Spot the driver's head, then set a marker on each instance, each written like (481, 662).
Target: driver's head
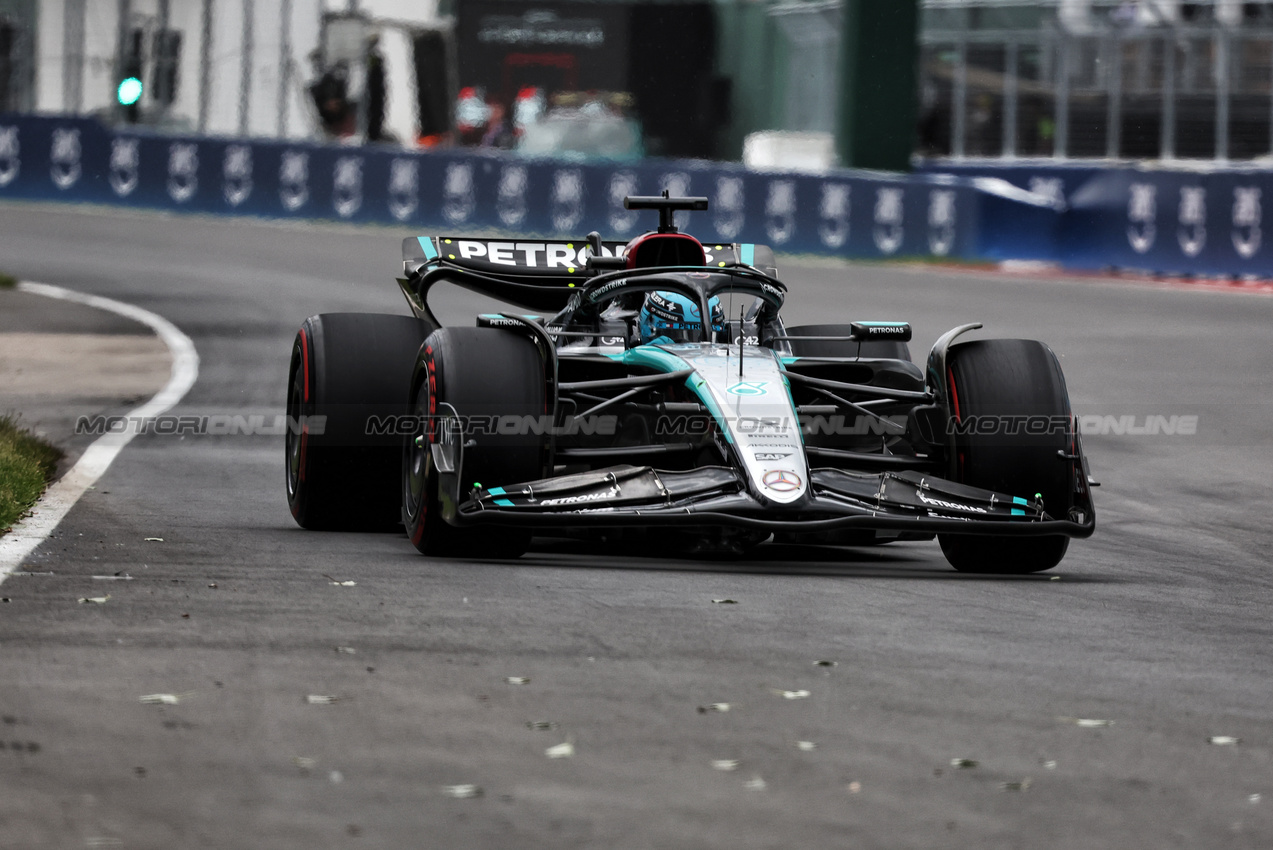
(677, 318)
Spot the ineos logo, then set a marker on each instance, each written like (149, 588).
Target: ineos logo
(781, 481)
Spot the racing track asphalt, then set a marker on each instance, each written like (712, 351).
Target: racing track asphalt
(1159, 624)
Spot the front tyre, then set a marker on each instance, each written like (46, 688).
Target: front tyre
(494, 382)
(1017, 439)
(348, 379)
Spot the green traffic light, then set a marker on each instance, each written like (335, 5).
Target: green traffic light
(129, 91)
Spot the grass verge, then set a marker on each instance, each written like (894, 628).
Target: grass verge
(26, 464)
(7, 281)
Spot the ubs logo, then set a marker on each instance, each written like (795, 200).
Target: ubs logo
(293, 180)
(567, 199)
(834, 227)
(510, 198)
(64, 158)
(458, 198)
(941, 221)
(728, 209)
(622, 184)
(236, 174)
(1192, 232)
(125, 164)
(1246, 221)
(1142, 209)
(9, 150)
(347, 186)
(889, 213)
(780, 211)
(183, 171)
(677, 184)
(404, 188)
(782, 481)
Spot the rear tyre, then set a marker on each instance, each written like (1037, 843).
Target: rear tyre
(486, 376)
(347, 370)
(871, 348)
(1010, 378)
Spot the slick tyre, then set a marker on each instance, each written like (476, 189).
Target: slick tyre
(487, 378)
(349, 374)
(999, 382)
(871, 348)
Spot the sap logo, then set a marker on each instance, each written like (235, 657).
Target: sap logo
(762, 456)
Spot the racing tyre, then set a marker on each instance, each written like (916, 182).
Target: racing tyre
(1012, 378)
(348, 370)
(485, 376)
(881, 348)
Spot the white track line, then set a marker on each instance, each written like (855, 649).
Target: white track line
(58, 500)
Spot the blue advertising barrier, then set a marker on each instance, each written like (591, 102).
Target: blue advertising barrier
(1204, 221)
(845, 213)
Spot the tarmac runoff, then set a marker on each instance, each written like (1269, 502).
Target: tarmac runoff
(65, 354)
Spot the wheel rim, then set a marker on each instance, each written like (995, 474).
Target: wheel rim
(293, 435)
(417, 451)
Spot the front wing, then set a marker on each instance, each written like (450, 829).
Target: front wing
(641, 496)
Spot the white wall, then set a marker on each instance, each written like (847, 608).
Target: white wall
(398, 17)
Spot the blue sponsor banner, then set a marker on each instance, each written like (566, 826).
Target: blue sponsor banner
(456, 192)
(1174, 220)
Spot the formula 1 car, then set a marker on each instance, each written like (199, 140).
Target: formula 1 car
(654, 386)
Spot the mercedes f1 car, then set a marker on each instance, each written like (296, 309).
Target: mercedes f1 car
(654, 386)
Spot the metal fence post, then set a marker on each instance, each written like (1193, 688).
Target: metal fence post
(1167, 145)
(1061, 133)
(959, 98)
(1114, 112)
(285, 63)
(245, 59)
(1010, 99)
(205, 67)
(1221, 71)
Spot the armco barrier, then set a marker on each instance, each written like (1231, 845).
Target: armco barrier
(1175, 219)
(846, 213)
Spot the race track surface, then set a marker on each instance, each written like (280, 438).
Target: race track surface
(1160, 624)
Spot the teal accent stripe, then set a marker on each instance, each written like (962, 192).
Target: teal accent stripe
(1017, 500)
(504, 503)
(1018, 512)
(499, 491)
(747, 254)
(426, 244)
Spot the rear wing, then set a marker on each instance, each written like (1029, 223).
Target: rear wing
(563, 259)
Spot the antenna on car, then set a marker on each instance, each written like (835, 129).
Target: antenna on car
(666, 205)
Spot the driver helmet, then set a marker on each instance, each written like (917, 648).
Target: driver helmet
(676, 317)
